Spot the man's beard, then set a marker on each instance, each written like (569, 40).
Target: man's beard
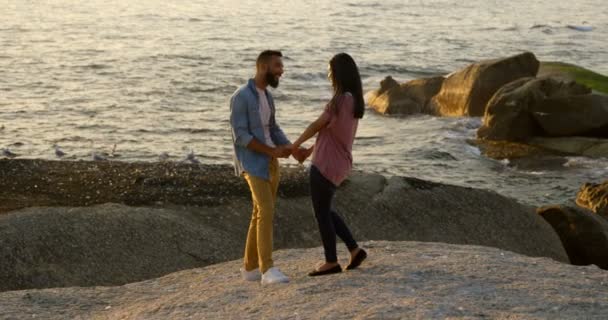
(272, 80)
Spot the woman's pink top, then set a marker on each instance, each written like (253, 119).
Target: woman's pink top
(333, 148)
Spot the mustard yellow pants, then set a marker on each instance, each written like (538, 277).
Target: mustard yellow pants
(258, 250)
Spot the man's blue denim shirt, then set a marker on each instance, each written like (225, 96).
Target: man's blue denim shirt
(246, 124)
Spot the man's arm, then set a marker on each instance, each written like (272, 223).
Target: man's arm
(239, 121)
(276, 133)
(278, 152)
(278, 136)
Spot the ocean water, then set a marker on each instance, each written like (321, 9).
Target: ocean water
(155, 76)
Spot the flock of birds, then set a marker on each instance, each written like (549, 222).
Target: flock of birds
(103, 156)
(95, 155)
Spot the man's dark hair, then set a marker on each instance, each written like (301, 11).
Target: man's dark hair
(266, 55)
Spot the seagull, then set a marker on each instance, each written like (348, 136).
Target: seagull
(113, 154)
(163, 157)
(58, 152)
(192, 157)
(7, 153)
(98, 157)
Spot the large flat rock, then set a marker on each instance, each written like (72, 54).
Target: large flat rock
(400, 280)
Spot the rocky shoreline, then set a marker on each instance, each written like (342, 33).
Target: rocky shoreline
(152, 229)
(556, 107)
(66, 224)
(28, 183)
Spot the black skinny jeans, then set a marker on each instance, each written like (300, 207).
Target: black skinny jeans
(322, 193)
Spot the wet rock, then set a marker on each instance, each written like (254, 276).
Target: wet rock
(583, 146)
(466, 92)
(409, 98)
(513, 112)
(594, 196)
(576, 115)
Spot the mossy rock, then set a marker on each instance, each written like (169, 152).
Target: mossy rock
(596, 81)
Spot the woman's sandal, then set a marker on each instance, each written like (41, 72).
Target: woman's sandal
(357, 260)
(336, 269)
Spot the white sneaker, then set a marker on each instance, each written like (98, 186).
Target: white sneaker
(273, 275)
(253, 275)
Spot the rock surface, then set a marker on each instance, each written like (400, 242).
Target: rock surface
(27, 183)
(501, 149)
(583, 234)
(555, 114)
(374, 207)
(523, 109)
(408, 98)
(400, 280)
(594, 196)
(575, 115)
(571, 72)
(584, 146)
(104, 245)
(544, 113)
(466, 92)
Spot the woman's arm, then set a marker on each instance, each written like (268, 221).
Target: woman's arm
(312, 129)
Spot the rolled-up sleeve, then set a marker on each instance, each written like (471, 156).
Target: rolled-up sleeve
(239, 121)
(277, 134)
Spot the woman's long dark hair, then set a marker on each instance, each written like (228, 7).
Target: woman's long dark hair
(345, 78)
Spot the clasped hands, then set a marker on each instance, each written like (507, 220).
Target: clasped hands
(297, 152)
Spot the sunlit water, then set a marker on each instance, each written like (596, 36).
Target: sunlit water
(155, 76)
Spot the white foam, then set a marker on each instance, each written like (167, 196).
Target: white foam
(473, 150)
(536, 173)
(580, 28)
(584, 162)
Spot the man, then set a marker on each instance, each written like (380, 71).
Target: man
(258, 143)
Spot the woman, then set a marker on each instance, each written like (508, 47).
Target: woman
(332, 159)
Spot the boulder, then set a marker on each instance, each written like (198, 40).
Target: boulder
(387, 84)
(401, 208)
(594, 196)
(409, 98)
(576, 115)
(597, 82)
(583, 234)
(512, 113)
(466, 92)
(104, 245)
(399, 280)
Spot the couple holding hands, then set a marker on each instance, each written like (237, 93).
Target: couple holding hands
(259, 142)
